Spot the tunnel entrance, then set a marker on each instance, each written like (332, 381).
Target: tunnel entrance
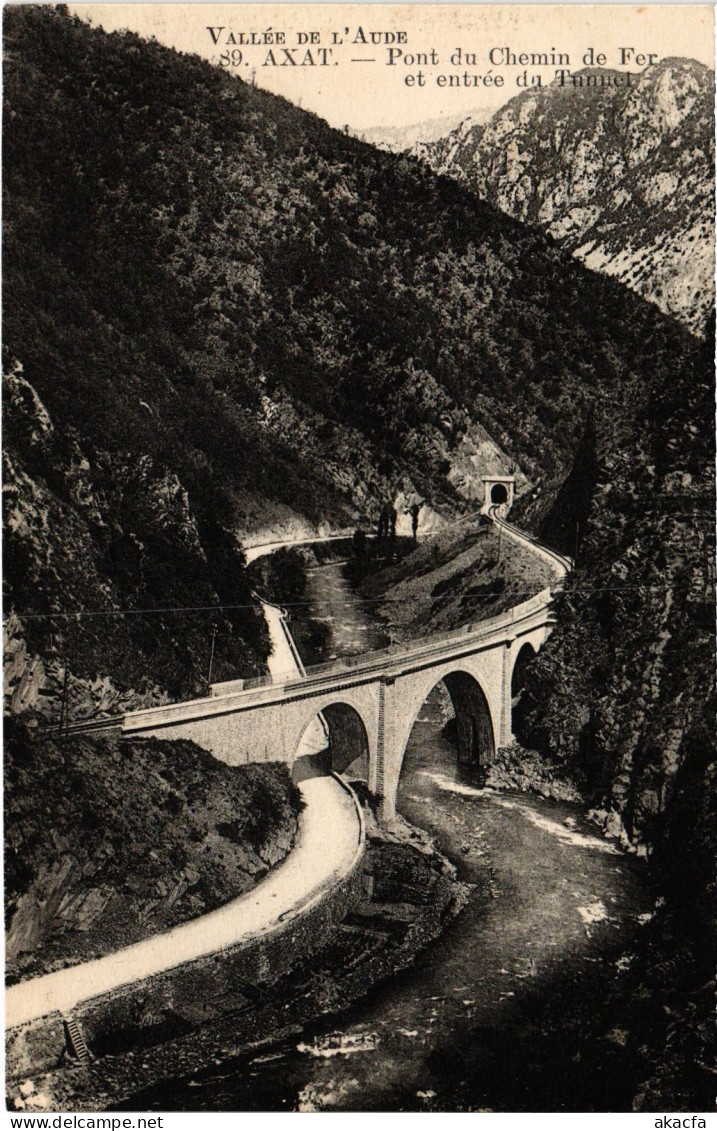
(335, 741)
(498, 491)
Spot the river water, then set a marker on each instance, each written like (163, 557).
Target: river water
(334, 603)
(505, 1011)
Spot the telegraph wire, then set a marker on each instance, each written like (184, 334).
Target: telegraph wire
(472, 598)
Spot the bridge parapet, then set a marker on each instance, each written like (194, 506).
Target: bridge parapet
(367, 668)
(560, 562)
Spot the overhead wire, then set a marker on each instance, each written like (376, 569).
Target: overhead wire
(224, 606)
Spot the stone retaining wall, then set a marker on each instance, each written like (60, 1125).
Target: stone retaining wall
(170, 1004)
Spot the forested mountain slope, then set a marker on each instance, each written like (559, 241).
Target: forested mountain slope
(224, 309)
(622, 177)
(219, 312)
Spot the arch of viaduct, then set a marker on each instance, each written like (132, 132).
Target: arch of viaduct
(384, 690)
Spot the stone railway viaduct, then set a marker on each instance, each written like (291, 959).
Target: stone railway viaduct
(367, 706)
(370, 703)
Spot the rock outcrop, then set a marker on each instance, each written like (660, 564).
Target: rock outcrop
(623, 692)
(108, 844)
(623, 178)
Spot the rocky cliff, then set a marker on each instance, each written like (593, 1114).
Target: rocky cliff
(622, 697)
(623, 178)
(623, 690)
(111, 843)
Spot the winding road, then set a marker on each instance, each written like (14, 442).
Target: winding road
(330, 834)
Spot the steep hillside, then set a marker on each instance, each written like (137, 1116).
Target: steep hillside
(635, 627)
(459, 576)
(621, 177)
(623, 696)
(225, 310)
(97, 860)
(87, 528)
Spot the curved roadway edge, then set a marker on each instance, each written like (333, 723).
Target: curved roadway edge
(560, 563)
(259, 550)
(284, 661)
(330, 841)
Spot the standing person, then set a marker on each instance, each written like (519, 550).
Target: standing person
(414, 512)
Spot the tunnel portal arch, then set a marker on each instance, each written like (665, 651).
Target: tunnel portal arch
(498, 491)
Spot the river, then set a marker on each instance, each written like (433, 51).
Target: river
(508, 1010)
(334, 604)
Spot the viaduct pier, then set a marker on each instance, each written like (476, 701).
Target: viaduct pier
(370, 702)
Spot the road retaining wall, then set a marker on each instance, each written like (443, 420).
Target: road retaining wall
(169, 1005)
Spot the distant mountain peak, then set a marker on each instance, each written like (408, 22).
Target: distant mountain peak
(621, 176)
(399, 138)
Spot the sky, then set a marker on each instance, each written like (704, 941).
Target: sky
(386, 65)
